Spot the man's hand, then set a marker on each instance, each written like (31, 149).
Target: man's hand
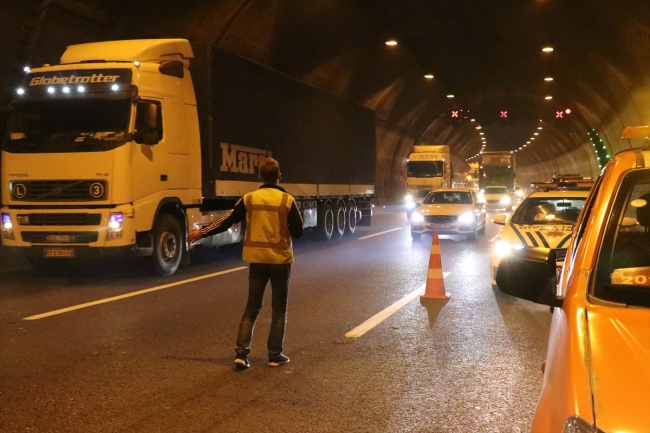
(194, 235)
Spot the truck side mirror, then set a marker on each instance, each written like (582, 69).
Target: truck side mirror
(530, 273)
(151, 116)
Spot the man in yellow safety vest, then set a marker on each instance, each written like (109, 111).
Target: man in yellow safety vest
(272, 219)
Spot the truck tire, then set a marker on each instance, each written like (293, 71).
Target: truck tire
(325, 225)
(167, 244)
(352, 218)
(340, 220)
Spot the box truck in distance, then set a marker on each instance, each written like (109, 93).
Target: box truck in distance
(125, 146)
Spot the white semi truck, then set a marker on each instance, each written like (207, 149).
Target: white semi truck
(125, 146)
(428, 167)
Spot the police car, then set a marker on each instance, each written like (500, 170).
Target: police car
(542, 220)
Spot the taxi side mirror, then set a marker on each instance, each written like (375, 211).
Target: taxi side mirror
(530, 273)
(500, 219)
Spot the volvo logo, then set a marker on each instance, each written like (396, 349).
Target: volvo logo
(96, 190)
(19, 190)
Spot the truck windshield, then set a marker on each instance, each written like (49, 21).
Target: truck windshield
(624, 260)
(495, 190)
(74, 125)
(496, 172)
(549, 210)
(425, 169)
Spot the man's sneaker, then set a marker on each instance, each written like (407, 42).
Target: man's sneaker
(241, 362)
(278, 360)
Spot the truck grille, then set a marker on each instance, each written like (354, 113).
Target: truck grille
(58, 190)
(441, 219)
(59, 219)
(60, 237)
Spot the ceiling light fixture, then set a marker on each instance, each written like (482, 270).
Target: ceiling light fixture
(547, 49)
(548, 98)
(548, 79)
(429, 76)
(391, 43)
(450, 96)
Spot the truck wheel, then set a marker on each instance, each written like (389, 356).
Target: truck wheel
(167, 244)
(326, 222)
(352, 219)
(340, 220)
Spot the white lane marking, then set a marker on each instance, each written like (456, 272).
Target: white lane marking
(129, 295)
(387, 312)
(380, 233)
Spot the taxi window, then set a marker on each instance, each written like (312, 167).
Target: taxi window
(448, 198)
(549, 210)
(623, 273)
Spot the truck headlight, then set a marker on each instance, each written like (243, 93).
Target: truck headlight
(115, 226)
(505, 200)
(417, 217)
(575, 424)
(520, 193)
(7, 227)
(480, 198)
(466, 218)
(503, 248)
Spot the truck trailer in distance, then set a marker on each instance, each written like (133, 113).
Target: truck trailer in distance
(125, 146)
(428, 167)
(497, 169)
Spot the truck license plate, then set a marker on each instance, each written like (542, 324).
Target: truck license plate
(58, 252)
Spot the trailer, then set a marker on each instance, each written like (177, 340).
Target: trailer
(125, 146)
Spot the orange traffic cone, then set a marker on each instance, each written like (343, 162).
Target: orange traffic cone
(435, 288)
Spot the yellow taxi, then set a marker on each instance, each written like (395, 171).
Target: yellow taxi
(597, 368)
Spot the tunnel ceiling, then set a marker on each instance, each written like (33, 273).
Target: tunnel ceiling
(487, 54)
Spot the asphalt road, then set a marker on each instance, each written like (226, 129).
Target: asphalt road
(161, 361)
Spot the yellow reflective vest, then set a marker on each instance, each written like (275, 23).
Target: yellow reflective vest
(267, 238)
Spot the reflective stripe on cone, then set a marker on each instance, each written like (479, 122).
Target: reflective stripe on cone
(435, 288)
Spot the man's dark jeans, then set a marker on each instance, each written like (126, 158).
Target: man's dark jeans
(258, 276)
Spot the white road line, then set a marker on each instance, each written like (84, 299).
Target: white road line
(129, 295)
(387, 312)
(380, 233)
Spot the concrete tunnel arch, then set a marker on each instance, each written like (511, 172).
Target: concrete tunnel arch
(601, 64)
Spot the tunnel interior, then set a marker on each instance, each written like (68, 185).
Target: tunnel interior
(564, 109)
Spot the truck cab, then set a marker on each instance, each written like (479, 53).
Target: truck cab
(428, 167)
(102, 155)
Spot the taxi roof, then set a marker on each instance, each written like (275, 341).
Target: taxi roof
(559, 194)
(452, 190)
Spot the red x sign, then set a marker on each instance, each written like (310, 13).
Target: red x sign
(504, 114)
(455, 113)
(559, 114)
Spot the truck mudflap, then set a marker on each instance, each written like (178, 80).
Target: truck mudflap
(364, 209)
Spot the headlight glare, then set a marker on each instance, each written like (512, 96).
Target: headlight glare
(410, 204)
(417, 217)
(505, 200)
(408, 198)
(7, 227)
(503, 248)
(466, 218)
(115, 226)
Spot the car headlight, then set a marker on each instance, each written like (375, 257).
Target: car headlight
(408, 198)
(410, 204)
(417, 217)
(575, 424)
(520, 193)
(7, 227)
(466, 218)
(115, 226)
(503, 248)
(505, 200)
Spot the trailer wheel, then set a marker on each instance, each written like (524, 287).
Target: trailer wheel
(167, 244)
(341, 217)
(326, 222)
(352, 219)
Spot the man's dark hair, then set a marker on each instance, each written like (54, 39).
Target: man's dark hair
(269, 170)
